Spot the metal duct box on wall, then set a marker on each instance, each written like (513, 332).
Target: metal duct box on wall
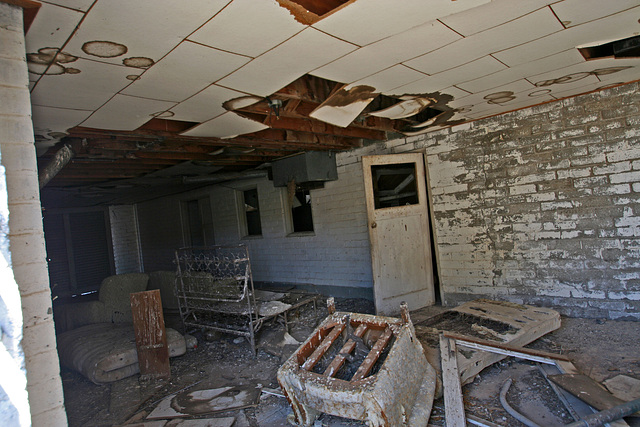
(312, 166)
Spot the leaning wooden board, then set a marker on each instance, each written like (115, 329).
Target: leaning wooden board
(151, 336)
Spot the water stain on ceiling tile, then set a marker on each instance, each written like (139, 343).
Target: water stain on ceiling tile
(573, 77)
(138, 62)
(500, 97)
(48, 61)
(104, 49)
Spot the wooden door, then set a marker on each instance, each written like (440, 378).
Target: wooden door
(397, 210)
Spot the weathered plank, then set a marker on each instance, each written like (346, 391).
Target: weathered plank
(151, 336)
(453, 403)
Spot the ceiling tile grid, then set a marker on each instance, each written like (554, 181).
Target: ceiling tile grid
(365, 22)
(388, 52)
(186, 70)
(124, 112)
(306, 51)
(529, 27)
(234, 29)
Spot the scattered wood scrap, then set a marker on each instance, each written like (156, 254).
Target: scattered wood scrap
(453, 403)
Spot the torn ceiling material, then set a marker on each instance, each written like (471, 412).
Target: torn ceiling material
(117, 67)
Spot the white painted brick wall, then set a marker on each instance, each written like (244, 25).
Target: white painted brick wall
(26, 236)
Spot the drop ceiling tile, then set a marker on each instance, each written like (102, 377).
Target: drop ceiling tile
(95, 83)
(292, 59)
(52, 27)
(385, 80)
(140, 27)
(228, 125)
(576, 12)
(124, 112)
(532, 26)
(553, 62)
(388, 52)
(480, 67)
(204, 105)
(621, 25)
(581, 71)
(82, 5)
(492, 14)
(364, 22)
(248, 27)
(480, 101)
(49, 120)
(186, 70)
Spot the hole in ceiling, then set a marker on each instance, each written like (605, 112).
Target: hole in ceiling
(623, 48)
(311, 11)
(164, 125)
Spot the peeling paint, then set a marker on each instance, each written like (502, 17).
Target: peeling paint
(104, 49)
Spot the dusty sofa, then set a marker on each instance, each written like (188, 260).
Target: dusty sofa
(96, 338)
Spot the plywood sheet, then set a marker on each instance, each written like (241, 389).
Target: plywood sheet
(226, 125)
(292, 59)
(186, 70)
(248, 27)
(124, 112)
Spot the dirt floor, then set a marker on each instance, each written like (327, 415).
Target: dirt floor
(599, 348)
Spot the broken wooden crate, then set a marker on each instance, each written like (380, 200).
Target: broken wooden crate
(363, 367)
(498, 321)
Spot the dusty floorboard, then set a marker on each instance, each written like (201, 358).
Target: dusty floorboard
(600, 349)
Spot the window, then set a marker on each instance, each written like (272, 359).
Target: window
(301, 211)
(252, 213)
(394, 185)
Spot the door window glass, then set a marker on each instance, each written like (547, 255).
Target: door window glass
(394, 185)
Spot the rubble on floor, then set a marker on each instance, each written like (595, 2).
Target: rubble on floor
(604, 350)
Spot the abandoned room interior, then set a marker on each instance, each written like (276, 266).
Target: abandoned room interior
(320, 213)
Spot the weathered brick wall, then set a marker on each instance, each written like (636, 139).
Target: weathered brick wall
(26, 236)
(541, 205)
(124, 235)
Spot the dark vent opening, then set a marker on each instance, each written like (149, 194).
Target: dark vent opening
(625, 48)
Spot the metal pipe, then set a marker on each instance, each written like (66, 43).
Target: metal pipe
(608, 415)
(515, 414)
(57, 163)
